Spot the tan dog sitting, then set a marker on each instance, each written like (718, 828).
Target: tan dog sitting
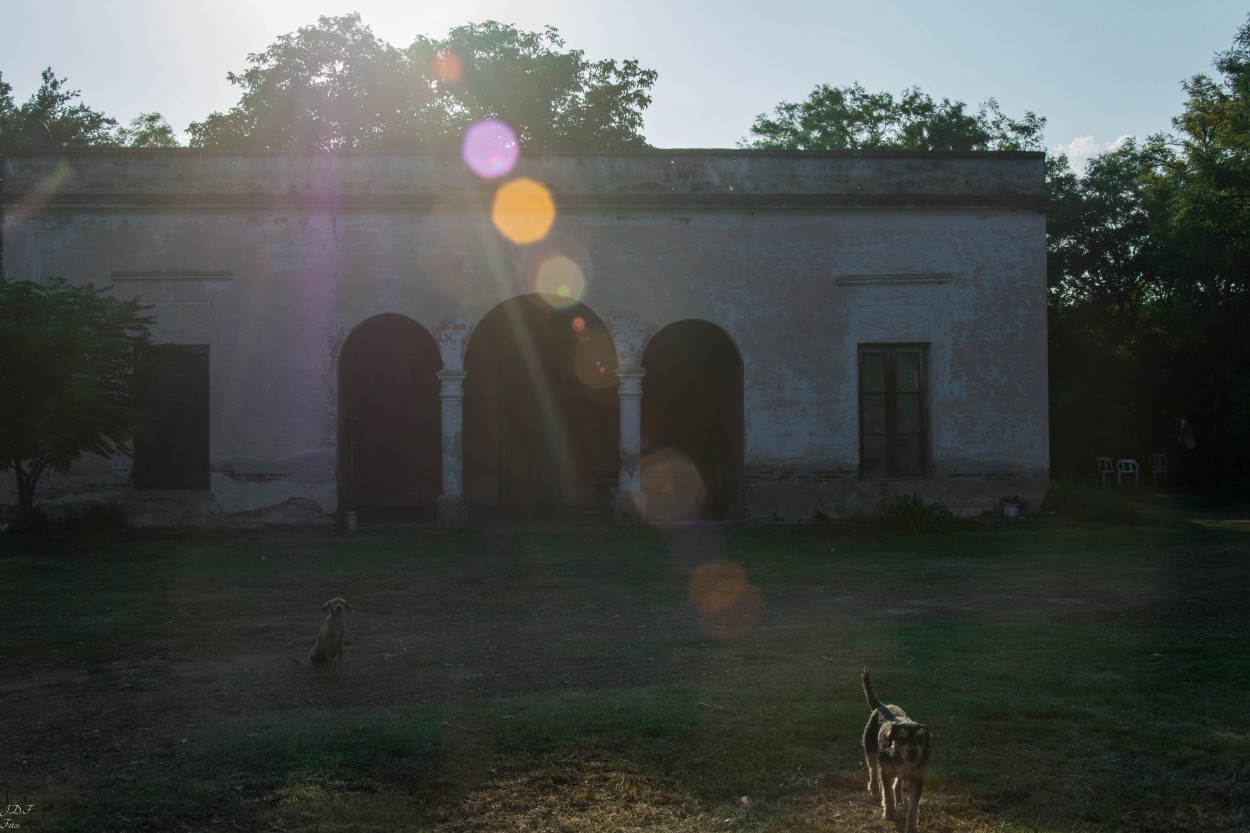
(329, 645)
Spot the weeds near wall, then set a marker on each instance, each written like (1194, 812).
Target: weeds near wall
(910, 513)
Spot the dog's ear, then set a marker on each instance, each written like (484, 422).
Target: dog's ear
(326, 606)
(348, 605)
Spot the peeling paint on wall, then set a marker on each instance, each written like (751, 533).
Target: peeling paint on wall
(273, 259)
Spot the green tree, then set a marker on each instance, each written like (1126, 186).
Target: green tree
(1105, 289)
(333, 85)
(69, 122)
(337, 85)
(66, 382)
(1099, 231)
(54, 117)
(147, 130)
(1203, 223)
(851, 118)
(553, 99)
(1149, 270)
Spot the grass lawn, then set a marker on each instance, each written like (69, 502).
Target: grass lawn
(1076, 676)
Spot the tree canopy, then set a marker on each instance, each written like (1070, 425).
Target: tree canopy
(68, 122)
(66, 386)
(1203, 226)
(1150, 285)
(852, 118)
(54, 117)
(337, 85)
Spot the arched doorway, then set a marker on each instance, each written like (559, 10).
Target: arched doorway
(389, 451)
(541, 431)
(692, 422)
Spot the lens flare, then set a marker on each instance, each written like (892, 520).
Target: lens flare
(558, 270)
(693, 545)
(594, 357)
(523, 211)
(673, 485)
(44, 190)
(448, 67)
(727, 604)
(718, 585)
(490, 149)
(560, 281)
(736, 620)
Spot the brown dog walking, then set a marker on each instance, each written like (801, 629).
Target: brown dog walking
(897, 750)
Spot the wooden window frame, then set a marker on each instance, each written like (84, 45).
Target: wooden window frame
(890, 439)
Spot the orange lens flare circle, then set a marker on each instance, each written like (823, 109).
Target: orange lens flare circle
(727, 604)
(448, 67)
(523, 211)
(737, 620)
(717, 586)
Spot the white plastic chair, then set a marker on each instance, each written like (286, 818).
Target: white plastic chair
(1158, 466)
(1105, 469)
(1127, 466)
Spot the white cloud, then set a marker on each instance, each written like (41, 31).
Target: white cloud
(1082, 148)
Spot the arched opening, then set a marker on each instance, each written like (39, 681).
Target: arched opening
(692, 423)
(389, 450)
(541, 431)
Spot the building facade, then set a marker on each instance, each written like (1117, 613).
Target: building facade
(650, 336)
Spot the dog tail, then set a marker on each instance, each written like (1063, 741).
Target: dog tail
(873, 702)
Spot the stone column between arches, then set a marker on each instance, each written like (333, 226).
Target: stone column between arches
(452, 510)
(630, 506)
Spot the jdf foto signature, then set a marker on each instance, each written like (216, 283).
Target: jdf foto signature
(11, 815)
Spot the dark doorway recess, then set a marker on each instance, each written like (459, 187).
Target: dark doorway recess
(390, 456)
(542, 419)
(171, 441)
(692, 405)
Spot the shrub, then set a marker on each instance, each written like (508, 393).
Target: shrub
(910, 513)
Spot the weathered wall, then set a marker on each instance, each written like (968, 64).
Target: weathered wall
(273, 259)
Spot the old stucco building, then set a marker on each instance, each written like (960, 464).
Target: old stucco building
(689, 333)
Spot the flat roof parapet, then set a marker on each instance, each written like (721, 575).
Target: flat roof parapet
(195, 178)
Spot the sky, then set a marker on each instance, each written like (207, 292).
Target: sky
(1097, 70)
